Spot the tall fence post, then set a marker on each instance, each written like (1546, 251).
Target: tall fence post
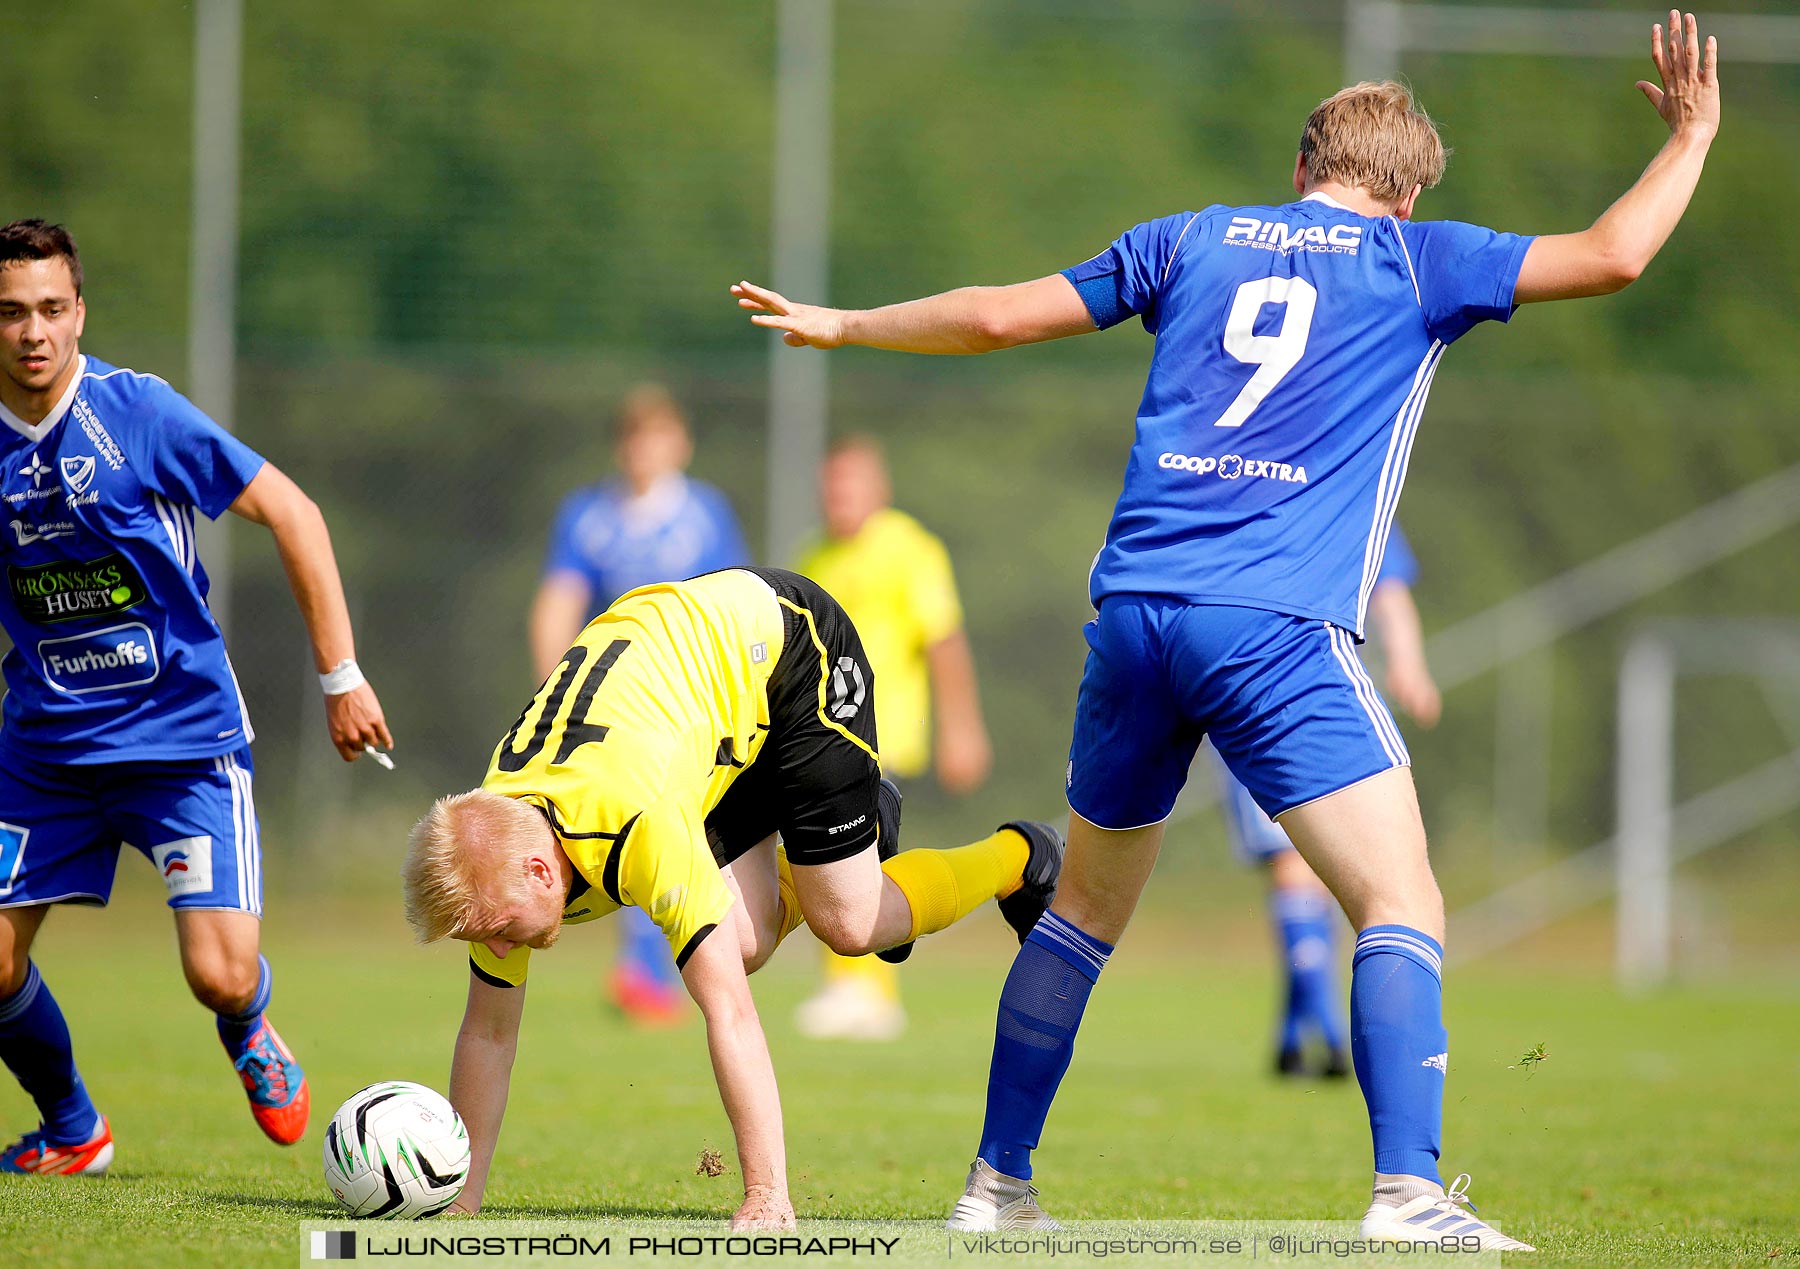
(1645, 788)
(799, 386)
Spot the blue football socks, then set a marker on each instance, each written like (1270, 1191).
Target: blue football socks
(1401, 1049)
(34, 1043)
(236, 1029)
(1305, 921)
(1034, 1038)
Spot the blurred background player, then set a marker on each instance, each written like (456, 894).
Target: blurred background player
(123, 720)
(649, 523)
(1300, 907)
(893, 577)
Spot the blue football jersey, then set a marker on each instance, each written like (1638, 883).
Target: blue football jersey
(617, 543)
(115, 655)
(1295, 346)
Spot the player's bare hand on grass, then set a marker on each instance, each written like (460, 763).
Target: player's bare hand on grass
(1689, 97)
(355, 720)
(764, 1207)
(801, 325)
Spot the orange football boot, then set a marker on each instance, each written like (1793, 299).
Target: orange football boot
(276, 1086)
(34, 1153)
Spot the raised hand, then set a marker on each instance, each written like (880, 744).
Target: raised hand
(1688, 99)
(801, 325)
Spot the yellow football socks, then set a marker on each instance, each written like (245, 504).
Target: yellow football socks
(873, 974)
(790, 915)
(944, 886)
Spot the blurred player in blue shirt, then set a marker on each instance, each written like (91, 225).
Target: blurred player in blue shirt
(1300, 907)
(123, 721)
(651, 523)
(1295, 346)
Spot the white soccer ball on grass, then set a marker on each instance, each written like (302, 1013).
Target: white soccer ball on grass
(396, 1151)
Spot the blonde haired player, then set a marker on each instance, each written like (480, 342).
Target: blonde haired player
(893, 576)
(1295, 346)
(689, 724)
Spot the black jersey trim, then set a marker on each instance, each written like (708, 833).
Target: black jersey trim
(597, 835)
(609, 875)
(490, 979)
(693, 943)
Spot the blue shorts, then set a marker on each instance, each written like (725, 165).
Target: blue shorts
(1255, 838)
(194, 819)
(1284, 699)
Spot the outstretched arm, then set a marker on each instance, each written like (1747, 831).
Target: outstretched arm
(480, 1074)
(714, 975)
(974, 319)
(274, 501)
(1610, 255)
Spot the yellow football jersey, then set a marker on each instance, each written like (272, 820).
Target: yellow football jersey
(633, 739)
(894, 579)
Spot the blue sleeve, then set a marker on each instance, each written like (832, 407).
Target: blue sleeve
(191, 458)
(1124, 280)
(1398, 563)
(563, 555)
(1465, 274)
(726, 541)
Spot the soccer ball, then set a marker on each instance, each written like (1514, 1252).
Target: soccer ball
(396, 1151)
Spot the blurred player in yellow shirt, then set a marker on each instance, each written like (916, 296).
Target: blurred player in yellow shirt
(893, 577)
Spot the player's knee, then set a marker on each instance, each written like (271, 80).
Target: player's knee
(222, 984)
(1414, 901)
(845, 937)
(755, 947)
(13, 969)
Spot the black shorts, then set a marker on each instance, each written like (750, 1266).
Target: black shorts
(815, 778)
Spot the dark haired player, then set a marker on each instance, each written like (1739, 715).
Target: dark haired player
(123, 721)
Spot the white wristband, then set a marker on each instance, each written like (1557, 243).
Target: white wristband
(345, 676)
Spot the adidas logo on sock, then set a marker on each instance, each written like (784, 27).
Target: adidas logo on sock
(1438, 1061)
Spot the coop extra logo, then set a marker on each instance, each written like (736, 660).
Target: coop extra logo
(1232, 466)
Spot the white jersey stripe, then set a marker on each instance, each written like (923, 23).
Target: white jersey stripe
(1372, 547)
(1393, 506)
(1370, 707)
(1393, 476)
(223, 765)
(1382, 713)
(168, 524)
(1406, 255)
(253, 849)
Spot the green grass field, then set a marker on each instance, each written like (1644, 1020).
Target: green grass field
(1661, 1131)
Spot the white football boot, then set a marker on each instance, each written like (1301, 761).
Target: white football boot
(993, 1201)
(1435, 1215)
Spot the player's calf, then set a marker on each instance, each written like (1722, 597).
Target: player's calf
(35, 1046)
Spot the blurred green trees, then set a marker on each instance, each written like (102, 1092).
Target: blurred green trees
(466, 227)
